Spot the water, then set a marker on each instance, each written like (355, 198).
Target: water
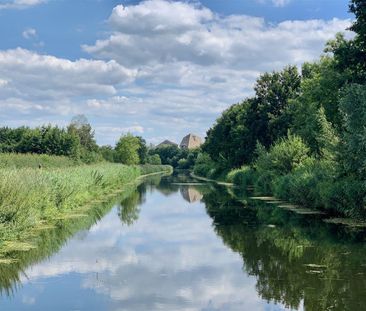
(174, 245)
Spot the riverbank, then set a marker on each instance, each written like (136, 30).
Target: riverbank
(229, 184)
(32, 198)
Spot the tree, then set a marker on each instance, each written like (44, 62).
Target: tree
(227, 141)
(169, 155)
(353, 139)
(108, 153)
(265, 118)
(154, 159)
(142, 150)
(80, 126)
(127, 150)
(350, 55)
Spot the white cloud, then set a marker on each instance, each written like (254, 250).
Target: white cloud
(29, 33)
(168, 66)
(276, 3)
(150, 33)
(33, 76)
(20, 4)
(281, 2)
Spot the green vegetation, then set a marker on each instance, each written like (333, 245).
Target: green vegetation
(75, 142)
(302, 135)
(47, 239)
(17, 160)
(297, 261)
(50, 173)
(174, 156)
(30, 197)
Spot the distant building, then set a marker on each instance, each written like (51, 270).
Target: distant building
(190, 141)
(166, 143)
(190, 194)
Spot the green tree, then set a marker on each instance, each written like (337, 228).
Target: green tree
(81, 127)
(127, 150)
(351, 54)
(154, 159)
(353, 139)
(142, 150)
(108, 153)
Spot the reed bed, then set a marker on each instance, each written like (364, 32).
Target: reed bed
(31, 196)
(17, 160)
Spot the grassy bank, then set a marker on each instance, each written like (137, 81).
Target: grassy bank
(29, 197)
(17, 160)
(44, 240)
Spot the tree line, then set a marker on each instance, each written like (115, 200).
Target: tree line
(302, 136)
(76, 141)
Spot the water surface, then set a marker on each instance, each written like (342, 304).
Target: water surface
(177, 244)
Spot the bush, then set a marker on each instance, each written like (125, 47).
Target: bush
(306, 184)
(285, 156)
(154, 159)
(345, 196)
(243, 177)
(204, 166)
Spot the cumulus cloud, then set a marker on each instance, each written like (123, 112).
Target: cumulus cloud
(29, 33)
(276, 3)
(30, 75)
(20, 4)
(172, 66)
(150, 33)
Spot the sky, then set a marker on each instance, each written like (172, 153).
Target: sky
(156, 68)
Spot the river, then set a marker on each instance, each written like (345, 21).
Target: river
(178, 244)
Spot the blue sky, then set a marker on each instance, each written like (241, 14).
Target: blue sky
(156, 68)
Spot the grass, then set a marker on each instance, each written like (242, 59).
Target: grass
(15, 160)
(30, 197)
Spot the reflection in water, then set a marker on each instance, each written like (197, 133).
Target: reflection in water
(296, 260)
(245, 256)
(191, 194)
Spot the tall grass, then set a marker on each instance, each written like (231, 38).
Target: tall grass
(150, 169)
(15, 160)
(29, 196)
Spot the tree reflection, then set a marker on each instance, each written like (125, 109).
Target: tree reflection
(129, 208)
(297, 260)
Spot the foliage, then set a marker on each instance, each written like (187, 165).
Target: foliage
(42, 140)
(307, 184)
(81, 127)
(153, 159)
(205, 166)
(265, 118)
(174, 156)
(127, 150)
(226, 141)
(29, 196)
(287, 154)
(108, 153)
(243, 177)
(353, 139)
(14, 160)
(350, 55)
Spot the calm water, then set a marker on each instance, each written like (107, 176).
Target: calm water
(175, 245)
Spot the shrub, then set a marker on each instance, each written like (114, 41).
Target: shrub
(154, 159)
(286, 155)
(305, 184)
(204, 166)
(243, 177)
